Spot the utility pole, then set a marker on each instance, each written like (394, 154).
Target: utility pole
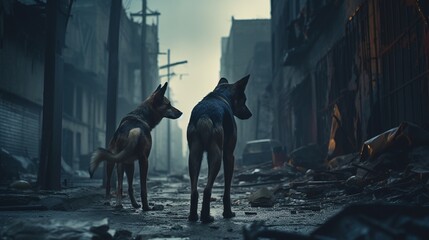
(49, 176)
(168, 122)
(143, 69)
(145, 86)
(113, 71)
(168, 66)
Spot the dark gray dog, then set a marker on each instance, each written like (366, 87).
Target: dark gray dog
(212, 129)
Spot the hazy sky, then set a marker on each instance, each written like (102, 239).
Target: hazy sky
(192, 30)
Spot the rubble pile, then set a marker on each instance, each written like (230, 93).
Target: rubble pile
(389, 178)
(391, 167)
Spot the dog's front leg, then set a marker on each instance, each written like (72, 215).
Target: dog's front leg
(129, 170)
(143, 163)
(228, 170)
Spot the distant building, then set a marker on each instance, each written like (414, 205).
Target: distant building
(247, 50)
(348, 70)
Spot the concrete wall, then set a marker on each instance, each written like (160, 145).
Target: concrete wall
(237, 54)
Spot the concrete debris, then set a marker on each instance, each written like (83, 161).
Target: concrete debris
(21, 184)
(66, 230)
(262, 198)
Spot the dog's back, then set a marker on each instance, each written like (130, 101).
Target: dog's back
(208, 116)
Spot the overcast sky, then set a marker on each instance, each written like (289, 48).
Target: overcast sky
(192, 30)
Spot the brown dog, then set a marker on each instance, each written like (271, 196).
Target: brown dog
(212, 129)
(131, 141)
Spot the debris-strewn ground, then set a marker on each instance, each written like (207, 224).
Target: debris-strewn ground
(173, 194)
(380, 193)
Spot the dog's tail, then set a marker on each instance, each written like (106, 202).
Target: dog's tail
(205, 128)
(102, 154)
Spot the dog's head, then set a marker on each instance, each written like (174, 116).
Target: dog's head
(162, 105)
(236, 95)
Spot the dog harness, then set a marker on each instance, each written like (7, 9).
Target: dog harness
(135, 117)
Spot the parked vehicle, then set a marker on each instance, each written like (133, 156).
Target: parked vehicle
(262, 151)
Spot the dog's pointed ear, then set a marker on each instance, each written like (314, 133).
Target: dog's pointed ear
(163, 89)
(159, 94)
(222, 81)
(242, 83)
(157, 89)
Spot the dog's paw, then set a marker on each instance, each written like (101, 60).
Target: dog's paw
(229, 214)
(207, 219)
(135, 205)
(146, 208)
(193, 217)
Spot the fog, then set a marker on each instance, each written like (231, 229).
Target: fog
(192, 30)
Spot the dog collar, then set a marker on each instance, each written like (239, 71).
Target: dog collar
(223, 99)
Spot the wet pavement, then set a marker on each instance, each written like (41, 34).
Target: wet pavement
(171, 222)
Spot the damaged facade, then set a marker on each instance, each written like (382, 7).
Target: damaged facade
(344, 71)
(84, 57)
(247, 51)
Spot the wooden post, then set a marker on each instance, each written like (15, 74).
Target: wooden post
(113, 70)
(49, 176)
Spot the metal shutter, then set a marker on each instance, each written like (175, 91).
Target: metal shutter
(19, 128)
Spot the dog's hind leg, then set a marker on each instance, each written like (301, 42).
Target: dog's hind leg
(109, 171)
(214, 157)
(228, 170)
(143, 163)
(129, 170)
(119, 191)
(195, 158)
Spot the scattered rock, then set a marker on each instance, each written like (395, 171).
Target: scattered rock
(21, 184)
(158, 207)
(250, 213)
(262, 198)
(122, 235)
(176, 227)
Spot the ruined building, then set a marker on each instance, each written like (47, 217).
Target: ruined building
(84, 72)
(348, 70)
